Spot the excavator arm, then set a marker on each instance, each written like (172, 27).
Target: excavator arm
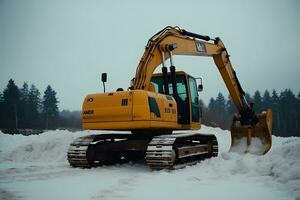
(175, 41)
(188, 44)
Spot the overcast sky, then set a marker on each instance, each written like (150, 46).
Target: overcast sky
(68, 44)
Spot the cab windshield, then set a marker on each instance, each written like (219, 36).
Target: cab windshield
(180, 83)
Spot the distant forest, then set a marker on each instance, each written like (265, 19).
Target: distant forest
(26, 108)
(285, 107)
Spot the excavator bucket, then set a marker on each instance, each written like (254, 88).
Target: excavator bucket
(252, 139)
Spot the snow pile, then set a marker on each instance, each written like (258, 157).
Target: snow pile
(256, 146)
(275, 175)
(280, 167)
(230, 175)
(283, 162)
(50, 146)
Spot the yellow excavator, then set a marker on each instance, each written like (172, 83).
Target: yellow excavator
(156, 105)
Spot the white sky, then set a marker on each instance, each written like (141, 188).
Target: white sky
(68, 44)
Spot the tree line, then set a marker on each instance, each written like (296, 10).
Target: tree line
(24, 108)
(284, 105)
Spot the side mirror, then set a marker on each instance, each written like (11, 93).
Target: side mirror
(104, 77)
(200, 88)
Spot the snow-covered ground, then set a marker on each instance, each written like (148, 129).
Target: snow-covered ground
(35, 167)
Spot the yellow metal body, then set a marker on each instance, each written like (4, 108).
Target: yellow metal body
(131, 110)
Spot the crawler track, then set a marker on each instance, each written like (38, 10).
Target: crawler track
(161, 152)
(106, 149)
(78, 151)
(178, 150)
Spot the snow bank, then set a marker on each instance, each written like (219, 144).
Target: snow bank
(50, 146)
(243, 176)
(280, 168)
(281, 165)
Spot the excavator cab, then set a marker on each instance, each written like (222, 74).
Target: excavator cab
(185, 94)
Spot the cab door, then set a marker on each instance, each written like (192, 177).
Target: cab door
(194, 98)
(182, 100)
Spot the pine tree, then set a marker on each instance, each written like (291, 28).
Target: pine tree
(11, 101)
(201, 107)
(248, 98)
(231, 110)
(274, 98)
(34, 106)
(204, 112)
(24, 106)
(287, 112)
(50, 108)
(1, 111)
(212, 112)
(266, 100)
(275, 111)
(230, 107)
(257, 100)
(220, 110)
(24, 92)
(298, 114)
(212, 105)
